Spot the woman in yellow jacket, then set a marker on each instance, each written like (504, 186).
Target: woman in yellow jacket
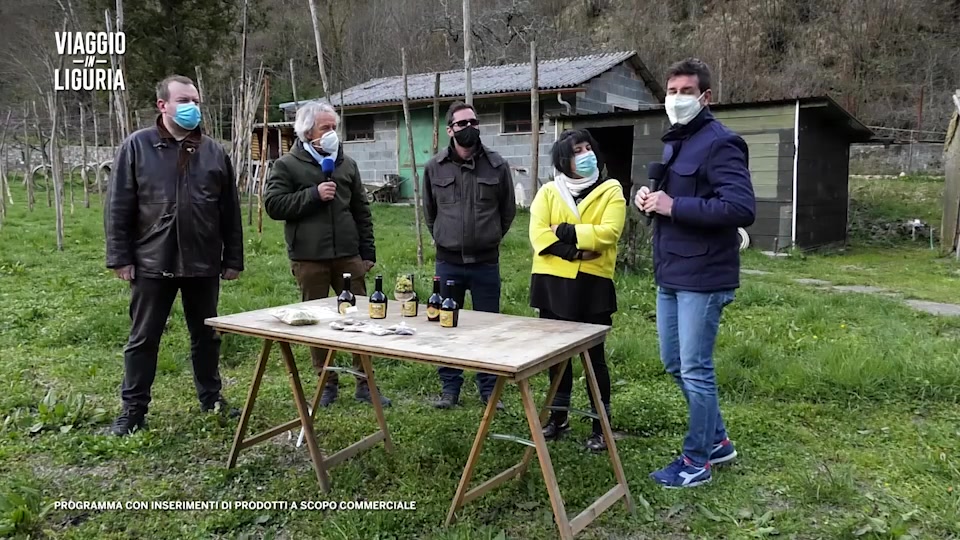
(575, 224)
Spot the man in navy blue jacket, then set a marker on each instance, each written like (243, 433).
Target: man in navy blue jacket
(704, 196)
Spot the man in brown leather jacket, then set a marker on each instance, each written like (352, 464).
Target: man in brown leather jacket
(172, 220)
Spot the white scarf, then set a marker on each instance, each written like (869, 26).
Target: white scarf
(572, 187)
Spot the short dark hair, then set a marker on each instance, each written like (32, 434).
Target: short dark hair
(456, 107)
(163, 87)
(562, 151)
(692, 66)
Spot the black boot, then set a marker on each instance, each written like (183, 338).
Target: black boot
(597, 442)
(363, 394)
(129, 421)
(446, 401)
(220, 406)
(329, 395)
(557, 425)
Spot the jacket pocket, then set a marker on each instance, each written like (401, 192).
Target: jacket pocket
(686, 248)
(445, 190)
(290, 235)
(488, 189)
(683, 179)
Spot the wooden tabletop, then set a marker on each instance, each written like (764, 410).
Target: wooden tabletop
(489, 342)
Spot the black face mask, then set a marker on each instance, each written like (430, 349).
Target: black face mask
(467, 137)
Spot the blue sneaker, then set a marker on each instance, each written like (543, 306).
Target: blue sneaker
(682, 474)
(722, 452)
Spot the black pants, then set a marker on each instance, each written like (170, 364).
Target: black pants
(150, 304)
(597, 359)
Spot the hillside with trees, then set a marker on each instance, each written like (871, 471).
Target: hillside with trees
(888, 61)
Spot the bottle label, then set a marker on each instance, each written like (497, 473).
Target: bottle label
(409, 309)
(344, 306)
(432, 312)
(378, 311)
(446, 319)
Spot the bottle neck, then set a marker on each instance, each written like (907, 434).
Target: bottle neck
(380, 284)
(346, 284)
(436, 286)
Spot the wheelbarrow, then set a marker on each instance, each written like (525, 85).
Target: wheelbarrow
(387, 192)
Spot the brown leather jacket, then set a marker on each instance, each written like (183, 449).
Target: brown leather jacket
(172, 208)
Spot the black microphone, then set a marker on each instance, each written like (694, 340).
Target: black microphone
(655, 171)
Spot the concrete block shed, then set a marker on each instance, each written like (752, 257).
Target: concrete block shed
(799, 151)
(375, 132)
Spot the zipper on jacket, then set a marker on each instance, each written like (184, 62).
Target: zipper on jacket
(179, 211)
(333, 221)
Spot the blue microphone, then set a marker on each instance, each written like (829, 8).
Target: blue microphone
(327, 165)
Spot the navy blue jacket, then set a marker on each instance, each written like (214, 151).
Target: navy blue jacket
(697, 248)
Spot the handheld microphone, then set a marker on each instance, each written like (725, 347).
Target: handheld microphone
(655, 171)
(327, 165)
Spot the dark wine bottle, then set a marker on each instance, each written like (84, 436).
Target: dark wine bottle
(346, 299)
(378, 301)
(449, 310)
(433, 303)
(410, 306)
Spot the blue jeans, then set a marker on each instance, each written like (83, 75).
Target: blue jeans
(483, 281)
(687, 324)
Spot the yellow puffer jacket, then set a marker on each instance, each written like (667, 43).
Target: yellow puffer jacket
(602, 214)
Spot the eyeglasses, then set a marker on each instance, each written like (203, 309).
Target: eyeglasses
(465, 123)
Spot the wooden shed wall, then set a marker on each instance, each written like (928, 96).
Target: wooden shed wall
(769, 134)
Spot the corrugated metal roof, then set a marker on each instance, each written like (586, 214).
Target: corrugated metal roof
(552, 74)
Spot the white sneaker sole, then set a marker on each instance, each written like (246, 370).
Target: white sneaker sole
(724, 459)
(691, 484)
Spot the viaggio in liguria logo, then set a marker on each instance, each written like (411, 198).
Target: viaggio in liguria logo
(92, 71)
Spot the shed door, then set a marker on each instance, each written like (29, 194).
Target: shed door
(422, 122)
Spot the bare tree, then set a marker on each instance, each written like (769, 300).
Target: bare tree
(83, 163)
(316, 38)
(413, 159)
(534, 120)
(4, 186)
(96, 145)
(467, 51)
(55, 157)
(27, 161)
(45, 166)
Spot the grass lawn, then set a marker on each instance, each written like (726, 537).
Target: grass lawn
(843, 407)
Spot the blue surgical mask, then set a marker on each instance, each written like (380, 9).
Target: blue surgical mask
(586, 164)
(187, 116)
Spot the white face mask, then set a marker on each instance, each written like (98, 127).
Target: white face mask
(682, 108)
(330, 142)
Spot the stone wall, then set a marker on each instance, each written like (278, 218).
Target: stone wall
(620, 87)
(377, 157)
(918, 158)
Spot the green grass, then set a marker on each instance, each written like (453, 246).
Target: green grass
(844, 408)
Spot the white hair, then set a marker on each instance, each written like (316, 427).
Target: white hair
(307, 118)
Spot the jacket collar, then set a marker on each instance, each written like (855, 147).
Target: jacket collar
(192, 139)
(301, 153)
(679, 132)
(450, 154)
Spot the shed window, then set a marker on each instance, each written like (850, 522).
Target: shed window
(360, 128)
(516, 117)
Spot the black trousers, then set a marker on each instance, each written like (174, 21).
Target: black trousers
(597, 359)
(150, 305)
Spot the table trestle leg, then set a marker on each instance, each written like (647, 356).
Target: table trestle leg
(474, 457)
(306, 418)
(618, 472)
(238, 442)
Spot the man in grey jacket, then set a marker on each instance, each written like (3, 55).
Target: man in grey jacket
(469, 204)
